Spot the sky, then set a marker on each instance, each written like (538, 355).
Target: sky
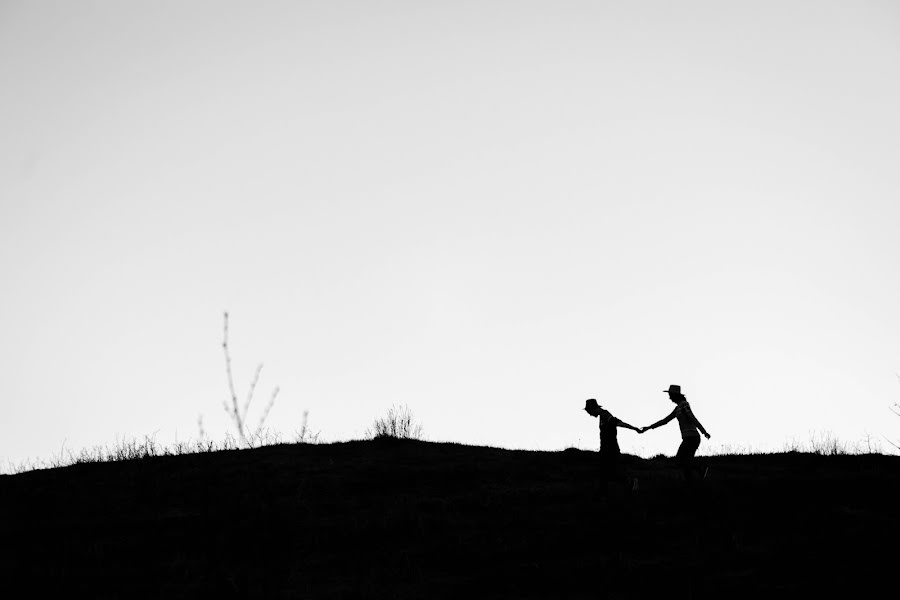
(485, 211)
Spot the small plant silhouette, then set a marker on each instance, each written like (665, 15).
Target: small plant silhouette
(397, 424)
(305, 435)
(239, 415)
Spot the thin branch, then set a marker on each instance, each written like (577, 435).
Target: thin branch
(250, 392)
(265, 415)
(233, 410)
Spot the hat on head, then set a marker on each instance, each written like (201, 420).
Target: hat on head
(591, 404)
(674, 389)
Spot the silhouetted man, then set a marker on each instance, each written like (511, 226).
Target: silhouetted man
(609, 444)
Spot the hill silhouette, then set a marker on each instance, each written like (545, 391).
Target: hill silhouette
(412, 519)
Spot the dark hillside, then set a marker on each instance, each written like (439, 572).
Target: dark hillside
(399, 519)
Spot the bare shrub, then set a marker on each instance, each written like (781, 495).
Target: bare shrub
(305, 435)
(827, 444)
(823, 443)
(397, 424)
(249, 437)
(869, 445)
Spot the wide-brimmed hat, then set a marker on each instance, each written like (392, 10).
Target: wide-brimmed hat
(674, 389)
(591, 404)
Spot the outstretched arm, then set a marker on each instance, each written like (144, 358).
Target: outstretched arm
(700, 426)
(662, 421)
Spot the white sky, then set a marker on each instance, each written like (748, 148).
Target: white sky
(488, 211)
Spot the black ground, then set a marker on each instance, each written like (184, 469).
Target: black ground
(399, 519)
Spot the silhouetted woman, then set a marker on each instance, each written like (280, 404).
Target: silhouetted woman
(609, 444)
(690, 437)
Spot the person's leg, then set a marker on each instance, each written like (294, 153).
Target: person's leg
(628, 479)
(607, 467)
(613, 472)
(680, 458)
(692, 460)
(685, 456)
(702, 466)
(621, 475)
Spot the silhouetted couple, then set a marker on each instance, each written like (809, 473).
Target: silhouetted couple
(609, 443)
